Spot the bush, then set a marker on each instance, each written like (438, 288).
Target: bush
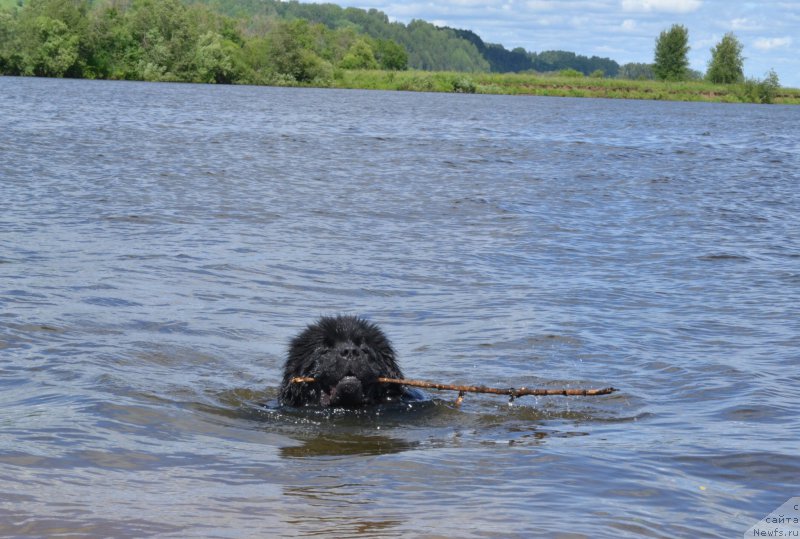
(598, 74)
(416, 83)
(759, 91)
(571, 73)
(464, 85)
(315, 70)
(768, 88)
(360, 56)
(489, 89)
(278, 79)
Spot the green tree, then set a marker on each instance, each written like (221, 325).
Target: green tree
(217, 60)
(391, 55)
(256, 55)
(110, 44)
(55, 50)
(10, 59)
(291, 53)
(162, 40)
(51, 38)
(636, 71)
(672, 47)
(433, 48)
(726, 64)
(360, 56)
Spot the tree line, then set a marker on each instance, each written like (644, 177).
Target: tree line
(246, 41)
(502, 60)
(429, 47)
(167, 40)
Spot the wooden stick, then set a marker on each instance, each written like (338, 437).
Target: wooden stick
(512, 392)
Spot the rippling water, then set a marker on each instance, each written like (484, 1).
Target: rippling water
(160, 244)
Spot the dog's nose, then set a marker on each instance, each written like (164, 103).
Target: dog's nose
(349, 352)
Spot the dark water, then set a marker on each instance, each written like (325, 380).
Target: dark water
(160, 244)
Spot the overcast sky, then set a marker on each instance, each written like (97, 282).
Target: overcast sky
(623, 30)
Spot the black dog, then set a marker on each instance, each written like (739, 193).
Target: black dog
(345, 355)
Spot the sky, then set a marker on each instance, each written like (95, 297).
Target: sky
(623, 30)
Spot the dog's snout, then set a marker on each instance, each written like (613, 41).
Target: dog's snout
(350, 351)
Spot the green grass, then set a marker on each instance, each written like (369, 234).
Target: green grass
(534, 84)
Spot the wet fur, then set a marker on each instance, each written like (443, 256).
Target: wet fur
(345, 355)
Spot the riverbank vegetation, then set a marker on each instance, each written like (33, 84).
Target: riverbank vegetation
(269, 42)
(567, 84)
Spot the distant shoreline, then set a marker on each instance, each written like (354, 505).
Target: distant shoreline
(534, 85)
(554, 85)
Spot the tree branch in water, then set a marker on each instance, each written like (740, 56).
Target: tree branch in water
(511, 392)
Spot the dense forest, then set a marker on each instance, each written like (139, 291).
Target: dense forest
(172, 41)
(502, 60)
(244, 41)
(429, 47)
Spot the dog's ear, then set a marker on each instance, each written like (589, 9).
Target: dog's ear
(389, 366)
(384, 353)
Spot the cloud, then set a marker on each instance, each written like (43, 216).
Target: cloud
(580, 21)
(663, 6)
(628, 25)
(481, 3)
(710, 41)
(769, 43)
(743, 23)
(562, 6)
(541, 5)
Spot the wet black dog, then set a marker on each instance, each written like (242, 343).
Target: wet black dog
(345, 355)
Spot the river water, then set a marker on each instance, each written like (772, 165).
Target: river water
(160, 244)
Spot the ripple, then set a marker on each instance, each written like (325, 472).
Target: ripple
(111, 302)
(722, 257)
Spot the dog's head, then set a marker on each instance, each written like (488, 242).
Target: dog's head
(345, 355)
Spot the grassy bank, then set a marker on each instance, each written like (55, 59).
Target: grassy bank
(529, 84)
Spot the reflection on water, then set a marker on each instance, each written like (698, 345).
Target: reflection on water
(160, 244)
(347, 444)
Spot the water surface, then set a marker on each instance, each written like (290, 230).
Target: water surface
(160, 244)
